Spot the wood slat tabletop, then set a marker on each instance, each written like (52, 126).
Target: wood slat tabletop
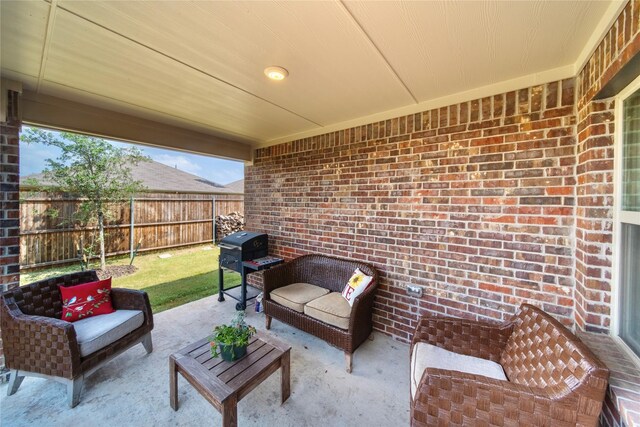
(223, 383)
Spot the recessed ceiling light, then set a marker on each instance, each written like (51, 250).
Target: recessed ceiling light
(276, 73)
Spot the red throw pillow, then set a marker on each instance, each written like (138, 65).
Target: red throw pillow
(86, 300)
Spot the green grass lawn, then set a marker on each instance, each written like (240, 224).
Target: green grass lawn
(188, 275)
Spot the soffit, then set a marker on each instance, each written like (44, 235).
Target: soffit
(199, 64)
(438, 48)
(235, 41)
(23, 27)
(104, 65)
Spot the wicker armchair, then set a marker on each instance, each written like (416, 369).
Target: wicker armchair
(333, 274)
(553, 379)
(38, 343)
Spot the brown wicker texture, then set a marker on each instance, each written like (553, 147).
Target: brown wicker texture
(330, 273)
(553, 378)
(36, 340)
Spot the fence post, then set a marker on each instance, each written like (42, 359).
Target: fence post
(131, 226)
(213, 215)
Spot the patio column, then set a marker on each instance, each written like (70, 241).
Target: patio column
(9, 197)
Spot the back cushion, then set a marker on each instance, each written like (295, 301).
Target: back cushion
(542, 353)
(43, 298)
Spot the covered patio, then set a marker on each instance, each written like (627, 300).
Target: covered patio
(484, 154)
(133, 389)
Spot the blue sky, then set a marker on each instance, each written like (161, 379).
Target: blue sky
(221, 171)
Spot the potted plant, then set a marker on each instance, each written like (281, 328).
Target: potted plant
(231, 341)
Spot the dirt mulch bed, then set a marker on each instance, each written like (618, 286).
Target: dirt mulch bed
(114, 271)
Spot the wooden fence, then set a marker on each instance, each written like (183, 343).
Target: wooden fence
(157, 221)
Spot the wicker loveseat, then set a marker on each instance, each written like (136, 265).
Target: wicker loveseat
(552, 378)
(36, 342)
(332, 274)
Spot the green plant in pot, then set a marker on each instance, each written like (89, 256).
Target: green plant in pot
(231, 341)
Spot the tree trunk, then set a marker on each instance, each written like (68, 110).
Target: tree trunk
(103, 261)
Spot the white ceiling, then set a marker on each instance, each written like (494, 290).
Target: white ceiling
(199, 65)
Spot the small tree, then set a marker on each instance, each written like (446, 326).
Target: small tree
(93, 170)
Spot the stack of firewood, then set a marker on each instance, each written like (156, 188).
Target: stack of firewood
(228, 224)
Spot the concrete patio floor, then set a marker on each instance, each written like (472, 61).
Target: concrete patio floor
(133, 389)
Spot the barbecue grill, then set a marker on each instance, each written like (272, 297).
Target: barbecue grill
(235, 249)
(242, 246)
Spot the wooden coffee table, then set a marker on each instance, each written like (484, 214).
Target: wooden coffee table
(224, 384)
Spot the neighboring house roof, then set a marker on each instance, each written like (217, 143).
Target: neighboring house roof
(236, 186)
(162, 178)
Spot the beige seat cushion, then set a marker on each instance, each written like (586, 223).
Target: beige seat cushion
(296, 295)
(96, 332)
(430, 356)
(331, 308)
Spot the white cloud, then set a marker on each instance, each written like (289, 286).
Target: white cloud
(179, 161)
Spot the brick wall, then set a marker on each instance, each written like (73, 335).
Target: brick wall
(594, 211)
(594, 172)
(617, 47)
(474, 201)
(9, 197)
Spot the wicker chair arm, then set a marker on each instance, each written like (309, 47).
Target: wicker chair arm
(132, 299)
(445, 395)
(39, 344)
(277, 277)
(479, 339)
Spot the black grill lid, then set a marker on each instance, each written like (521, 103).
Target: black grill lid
(245, 240)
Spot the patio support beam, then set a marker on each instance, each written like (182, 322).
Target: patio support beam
(61, 114)
(6, 86)
(9, 189)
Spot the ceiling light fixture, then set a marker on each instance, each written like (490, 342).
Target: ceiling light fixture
(276, 73)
